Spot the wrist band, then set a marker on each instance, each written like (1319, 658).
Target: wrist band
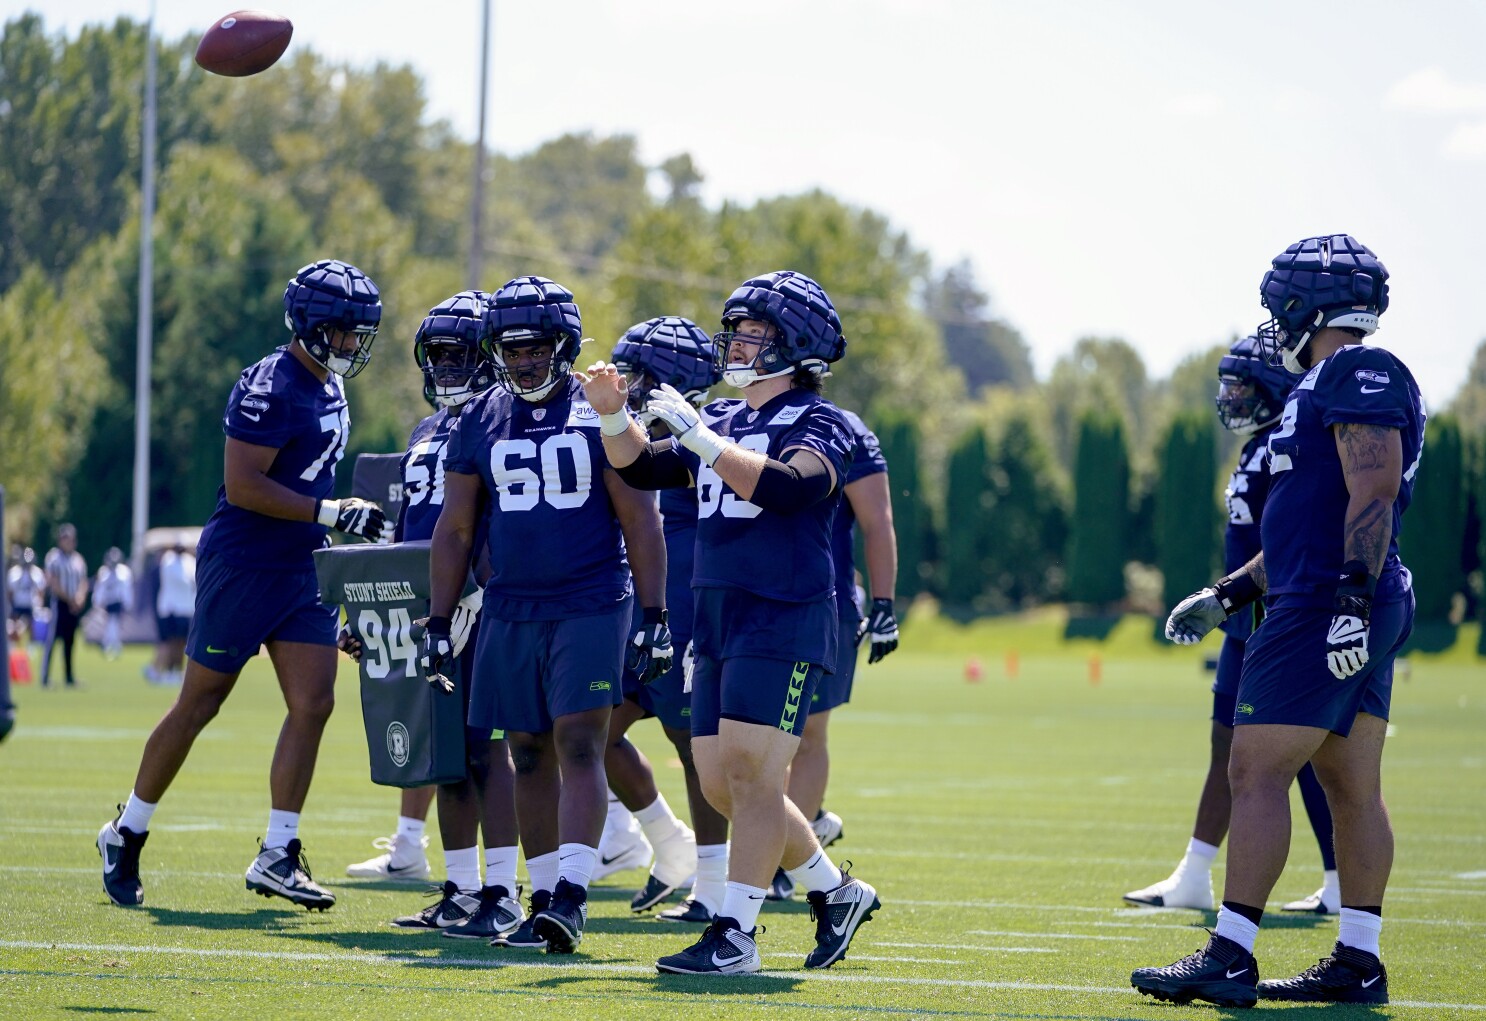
(327, 511)
(1236, 591)
(616, 424)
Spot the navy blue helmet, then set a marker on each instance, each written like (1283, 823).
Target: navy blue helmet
(807, 328)
(667, 349)
(1251, 389)
(447, 348)
(333, 295)
(1332, 280)
(529, 312)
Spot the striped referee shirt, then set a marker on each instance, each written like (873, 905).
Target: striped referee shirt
(68, 570)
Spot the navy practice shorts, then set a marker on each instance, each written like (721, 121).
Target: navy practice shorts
(241, 608)
(1286, 680)
(663, 697)
(529, 672)
(767, 692)
(834, 689)
(731, 623)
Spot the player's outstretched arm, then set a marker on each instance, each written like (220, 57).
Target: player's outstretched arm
(245, 477)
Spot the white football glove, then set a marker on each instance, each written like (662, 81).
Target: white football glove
(688, 667)
(355, 516)
(1194, 617)
(681, 417)
(462, 620)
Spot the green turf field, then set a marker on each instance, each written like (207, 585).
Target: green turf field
(1000, 821)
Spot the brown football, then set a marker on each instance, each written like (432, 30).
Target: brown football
(244, 43)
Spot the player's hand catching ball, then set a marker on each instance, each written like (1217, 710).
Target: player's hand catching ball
(650, 652)
(882, 625)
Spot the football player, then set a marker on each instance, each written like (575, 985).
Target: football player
(287, 425)
(866, 501)
(677, 352)
(1318, 673)
(447, 348)
(113, 589)
(768, 471)
(26, 584)
(1251, 395)
(559, 601)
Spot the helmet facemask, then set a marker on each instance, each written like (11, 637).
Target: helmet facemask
(336, 359)
(766, 361)
(1241, 407)
(522, 366)
(454, 370)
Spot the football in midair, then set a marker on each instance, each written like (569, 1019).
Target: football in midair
(244, 43)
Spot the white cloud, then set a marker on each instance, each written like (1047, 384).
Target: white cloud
(1430, 91)
(1467, 142)
(1197, 104)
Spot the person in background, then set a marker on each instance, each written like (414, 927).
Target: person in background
(26, 585)
(174, 605)
(113, 590)
(67, 590)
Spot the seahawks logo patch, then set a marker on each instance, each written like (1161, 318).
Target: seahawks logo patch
(1370, 376)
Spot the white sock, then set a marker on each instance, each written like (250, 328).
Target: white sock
(575, 863)
(410, 830)
(1331, 888)
(658, 821)
(462, 866)
(1200, 854)
(712, 876)
(742, 903)
(817, 875)
(282, 828)
(616, 817)
(500, 868)
(1232, 925)
(1360, 930)
(542, 871)
(137, 813)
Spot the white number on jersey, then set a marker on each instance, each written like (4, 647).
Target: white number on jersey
(1281, 462)
(521, 488)
(418, 484)
(710, 487)
(338, 424)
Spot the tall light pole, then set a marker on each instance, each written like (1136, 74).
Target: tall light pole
(477, 202)
(145, 337)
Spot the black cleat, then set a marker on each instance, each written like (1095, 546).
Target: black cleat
(499, 913)
(1349, 975)
(561, 924)
(523, 937)
(837, 914)
(284, 872)
(782, 888)
(724, 949)
(689, 910)
(1222, 972)
(655, 892)
(119, 849)
(453, 906)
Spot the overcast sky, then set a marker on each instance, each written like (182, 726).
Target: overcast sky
(1113, 168)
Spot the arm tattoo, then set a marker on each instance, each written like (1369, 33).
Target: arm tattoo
(1364, 447)
(1257, 572)
(1367, 535)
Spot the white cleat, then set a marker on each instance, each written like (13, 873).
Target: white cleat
(827, 827)
(1180, 890)
(401, 861)
(625, 849)
(1315, 904)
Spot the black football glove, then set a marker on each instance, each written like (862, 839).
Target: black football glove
(355, 516)
(650, 651)
(438, 653)
(882, 625)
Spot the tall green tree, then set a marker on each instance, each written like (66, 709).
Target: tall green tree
(912, 515)
(988, 351)
(1106, 373)
(1026, 515)
(1187, 517)
(1101, 502)
(1432, 540)
(966, 506)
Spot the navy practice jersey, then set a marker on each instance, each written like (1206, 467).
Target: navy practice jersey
(1248, 487)
(422, 472)
(678, 514)
(555, 546)
(279, 403)
(1305, 517)
(866, 459)
(739, 544)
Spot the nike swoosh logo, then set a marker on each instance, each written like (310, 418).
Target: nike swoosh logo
(213, 649)
(1373, 389)
(110, 858)
(611, 861)
(391, 869)
(1235, 974)
(1369, 981)
(720, 962)
(752, 897)
(254, 418)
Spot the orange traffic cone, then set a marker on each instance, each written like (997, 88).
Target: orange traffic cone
(20, 666)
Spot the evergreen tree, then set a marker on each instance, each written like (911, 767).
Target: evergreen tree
(1186, 516)
(1101, 510)
(911, 515)
(966, 506)
(1027, 519)
(1432, 541)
